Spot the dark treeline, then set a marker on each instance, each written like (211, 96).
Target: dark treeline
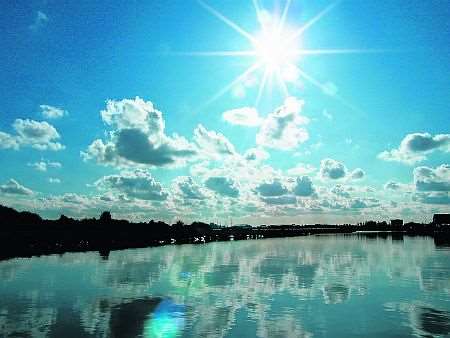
(25, 234)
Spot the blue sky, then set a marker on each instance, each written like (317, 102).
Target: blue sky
(108, 106)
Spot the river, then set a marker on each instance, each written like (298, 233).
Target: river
(317, 286)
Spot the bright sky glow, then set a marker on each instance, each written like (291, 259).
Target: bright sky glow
(276, 50)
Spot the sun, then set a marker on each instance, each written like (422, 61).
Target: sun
(276, 51)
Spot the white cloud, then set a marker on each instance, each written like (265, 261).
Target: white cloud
(138, 137)
(8, 141)
(246, 175)
(39, 166)
(54, 164)
(327, 114)
(100, 152)
(246, 116)
(340, 190)
(40, 20)
(44, 165)
(281, 128)
(14, 188)
(332, 169)
(433, 197)
(396, 186)
(270, 189)
(429, 179)
(212, 144)
(51, 112)
(256, 154)
(138, 184)
(120, 205)
(134, 114)
(224, 186)
(280, 200)
(301, 169)
(135, 146)
(357, 174)
(391, 185)
(331, 204)
(415, 148)
(187, 188)
(357, 203)
(38, 135)
(304, 187)
(54, 180)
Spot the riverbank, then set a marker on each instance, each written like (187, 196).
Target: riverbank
(25, 234)
(28, 244)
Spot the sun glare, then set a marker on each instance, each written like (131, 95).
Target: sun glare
(274, 50)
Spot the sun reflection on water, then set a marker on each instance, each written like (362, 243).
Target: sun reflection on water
(166, 321)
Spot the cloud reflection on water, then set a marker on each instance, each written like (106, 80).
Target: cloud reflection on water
(282, 287)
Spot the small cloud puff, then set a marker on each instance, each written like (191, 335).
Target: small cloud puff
(335, 170)
(40, 21)
(138, 184)
(357, 174)
(270, 189)
(246, 116)
(256, 154)
(38, 135)
(44, 165)
(396, 186)
(332, 169)
(51, 112)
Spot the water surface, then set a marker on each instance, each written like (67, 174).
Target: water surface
(321, 286)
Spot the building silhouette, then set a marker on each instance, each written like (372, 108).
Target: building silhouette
(441, 219)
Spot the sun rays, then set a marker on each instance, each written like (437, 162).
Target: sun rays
(276, 50)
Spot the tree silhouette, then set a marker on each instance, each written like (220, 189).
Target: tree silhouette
(105, 217)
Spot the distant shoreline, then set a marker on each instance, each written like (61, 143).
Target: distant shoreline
(25, 234)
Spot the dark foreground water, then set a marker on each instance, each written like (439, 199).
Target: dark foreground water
(324, 286)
